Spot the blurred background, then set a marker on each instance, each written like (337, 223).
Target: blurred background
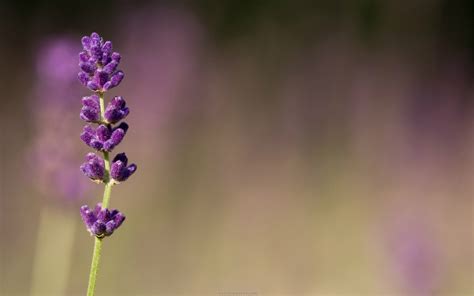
(283, 148)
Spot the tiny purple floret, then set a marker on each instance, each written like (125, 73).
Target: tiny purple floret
(94, 167)
(116, 110)
(90, 111)
(101, 222)
(119, 169)
(104, 138)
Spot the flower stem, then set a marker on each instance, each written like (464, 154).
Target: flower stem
(106, 199)
(105, 203)
(94, 266)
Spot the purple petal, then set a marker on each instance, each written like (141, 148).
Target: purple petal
(131, 169)
(86, 42)
(107, 47)
(84, 56)
(87, 136)
(98, 229)
(101, 77)
(110, 227)
(117, 102)
(103, 215)
(90, 114)
(116, 169)
(87, 67)
(91, 156)
(122, 157)
(103, 133)
(118, 219)
(117, 136)
(91, 101)
(92, 85)
(116, 57)
(87, 216)
(110, 67)
(116, 110)
(83, 78)
(114, 80)
(96, 144)
(97, 208)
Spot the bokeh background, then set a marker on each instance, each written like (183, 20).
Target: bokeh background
(284, 148)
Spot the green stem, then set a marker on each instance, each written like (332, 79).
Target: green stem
(94, 266)
(106, 199)
(102, 106)
(105, 204)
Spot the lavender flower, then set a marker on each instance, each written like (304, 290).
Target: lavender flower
(119, 170)
(116, 110)
(101, 222)
(99, 64)
(94, 167)
(104, 138)
(99, 73)
(90, 111)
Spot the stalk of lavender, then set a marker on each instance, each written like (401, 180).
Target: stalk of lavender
(99, 74)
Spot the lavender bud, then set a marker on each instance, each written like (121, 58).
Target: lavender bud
(101, 77)
(107, 47)
(90, 111)
(83, 78)
(93, 168)
(103, 138)
(90, 115)
(110, 67)
(114, 80)
(92, 85)
(83, 56)
(116, 110)
(103, 133)
(88, 134)
(117, 136)
(95, 35)
(86, 42)
(116, 57)
(95, 50)
(106, 59)
(87, 67)
(101, 222)
(119, 170)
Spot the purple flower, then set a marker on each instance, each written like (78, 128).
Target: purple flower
(94, 167)
(101, 222)
(99, 64)
(119, 169)
(104, 138)
(116, 110)
(90, 111)
(99, 73)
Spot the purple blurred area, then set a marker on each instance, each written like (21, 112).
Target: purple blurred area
(284, 148)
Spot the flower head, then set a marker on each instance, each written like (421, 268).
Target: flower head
(104, 138)
(99, 73)
(99, 64)
(101, 221)
(119, 169)
(94, 167)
